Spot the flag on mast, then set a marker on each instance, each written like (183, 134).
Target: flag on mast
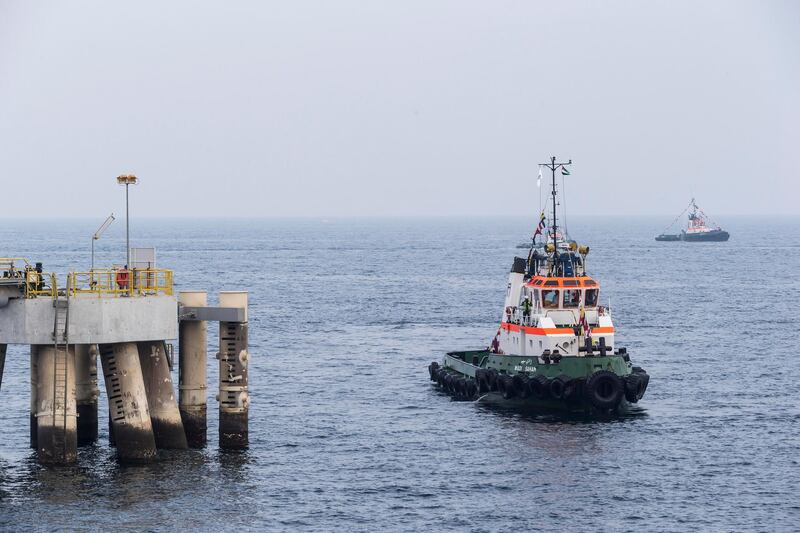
(586, 330)
(540, 227)
(564, 171)
(539, 179)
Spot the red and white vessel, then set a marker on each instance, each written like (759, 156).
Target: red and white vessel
(555, 346)
(552, 305)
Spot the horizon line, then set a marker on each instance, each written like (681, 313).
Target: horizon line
(382, 216)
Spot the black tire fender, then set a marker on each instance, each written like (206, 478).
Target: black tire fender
(461, 386)
(472, 389)
(520, 384)
(505, 386)
(604, 390)
(449, 382)
(481, 381)
(560, 386)
(492, 379)
(539, 386)
(432, 368)
(508, 386)
(635, 386)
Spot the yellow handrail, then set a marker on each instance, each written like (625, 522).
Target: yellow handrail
(30, 279)
(121, 282)
(36, 284)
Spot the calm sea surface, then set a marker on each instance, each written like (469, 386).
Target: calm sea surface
(348, 434)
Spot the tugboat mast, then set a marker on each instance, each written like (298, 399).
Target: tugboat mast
(552, 165)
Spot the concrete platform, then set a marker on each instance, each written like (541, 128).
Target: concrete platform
(92, 319)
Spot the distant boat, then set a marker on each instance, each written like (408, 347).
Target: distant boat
(698, 229)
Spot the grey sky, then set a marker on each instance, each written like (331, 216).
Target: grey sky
(401, 108)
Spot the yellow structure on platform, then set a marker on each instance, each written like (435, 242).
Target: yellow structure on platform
(40, 284)
(121, 282)
(19, 273)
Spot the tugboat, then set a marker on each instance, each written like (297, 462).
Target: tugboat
(554, 349)
(698, 229)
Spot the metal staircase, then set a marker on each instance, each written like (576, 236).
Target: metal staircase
(61, 346)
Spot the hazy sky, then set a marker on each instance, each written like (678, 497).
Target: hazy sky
(398, 108)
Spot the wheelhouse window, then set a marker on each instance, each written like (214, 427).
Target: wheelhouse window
(572, 298)
(550, 298)
(591, 297)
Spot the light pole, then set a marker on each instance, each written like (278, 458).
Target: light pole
(99, 232)
(127, 180)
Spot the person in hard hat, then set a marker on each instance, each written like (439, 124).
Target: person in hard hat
(526, 309)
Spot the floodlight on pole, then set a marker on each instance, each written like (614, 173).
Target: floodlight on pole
(127, 180)
(99, 232)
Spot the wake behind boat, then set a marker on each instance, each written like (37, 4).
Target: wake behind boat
(698, 229)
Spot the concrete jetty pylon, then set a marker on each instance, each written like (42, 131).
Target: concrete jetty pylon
(164, 413)
(127, 402)
(233, 356)
(34, 405)
(56, 418)
(86, 392)
(234, 396)
(193, 375)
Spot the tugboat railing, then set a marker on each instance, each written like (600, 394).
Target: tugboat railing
(593, 315)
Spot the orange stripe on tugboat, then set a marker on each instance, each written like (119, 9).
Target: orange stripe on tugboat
(549, 331)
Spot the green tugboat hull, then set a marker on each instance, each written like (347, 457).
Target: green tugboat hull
(533, 405)
(568, 384)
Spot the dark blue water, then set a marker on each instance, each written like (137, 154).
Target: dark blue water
(347, 433)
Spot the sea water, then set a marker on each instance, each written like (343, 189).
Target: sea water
(348, 434)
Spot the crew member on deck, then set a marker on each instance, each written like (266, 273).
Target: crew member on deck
(526, 310)
(122, 278)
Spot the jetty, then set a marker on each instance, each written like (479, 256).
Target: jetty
(127, 319)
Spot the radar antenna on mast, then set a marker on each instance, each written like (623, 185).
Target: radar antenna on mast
(553, 166)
